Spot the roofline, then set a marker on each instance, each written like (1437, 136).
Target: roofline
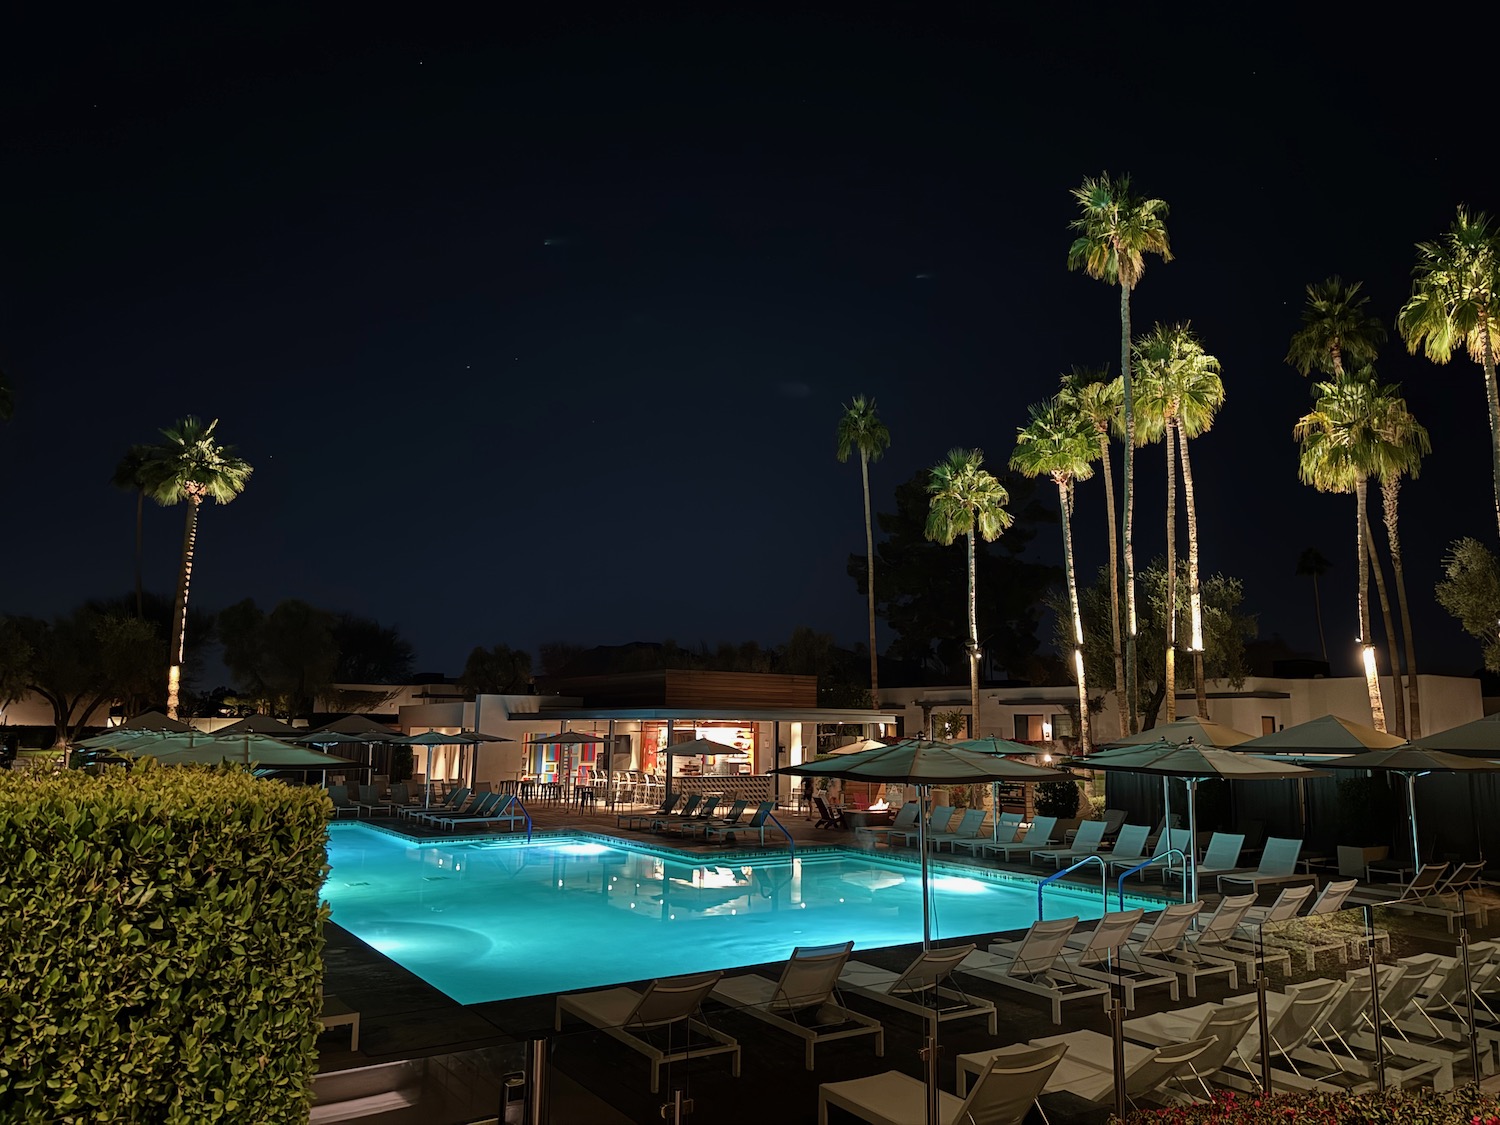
(722, 714)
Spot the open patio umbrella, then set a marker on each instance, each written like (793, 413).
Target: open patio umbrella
(993, 745)
(245, 749)
(1411, 762)
(1482, 736)
(569, 738)
(430, 739)
(361, 724)
(260, 724)
(1192, 763)
(1327, 735)
(1202, 732)
(155, 720)
(918, 762)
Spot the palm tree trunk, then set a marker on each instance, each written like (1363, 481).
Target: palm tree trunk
(1390, 492)
(1128, 556)
(1195, 587)
(140, 504)
(178, 639)
(1084, 742)
(1366, 647)
(864, 476)
(1169, 624)
(1114, 575)
(1398, 705)
(1492, 400)
(973, 649)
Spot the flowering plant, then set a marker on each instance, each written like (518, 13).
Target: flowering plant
(1467, 1105)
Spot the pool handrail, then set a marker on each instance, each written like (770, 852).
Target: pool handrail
(790, 843)
(1084, 862)
(1152, 863)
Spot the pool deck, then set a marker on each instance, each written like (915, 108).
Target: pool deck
(598, 1081)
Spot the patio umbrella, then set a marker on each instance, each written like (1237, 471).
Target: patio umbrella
(1192, 763)
(1202, 732)
(918, 762)
(569, 738)
(993, 745)
(1482, 736)
(860, 747)
(1412, 762)
(155, 720)
(430, 739)
(361, 724)
(259, 724)
(246, 749)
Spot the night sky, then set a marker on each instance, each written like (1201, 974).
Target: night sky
(540, 331)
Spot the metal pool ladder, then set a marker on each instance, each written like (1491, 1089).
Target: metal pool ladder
(1084, 862)
(1168, 854)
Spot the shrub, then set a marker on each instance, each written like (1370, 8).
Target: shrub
(163, 940)
(1057, 798)
(1465, 1105)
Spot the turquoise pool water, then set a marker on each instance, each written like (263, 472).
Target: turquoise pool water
(495, 920)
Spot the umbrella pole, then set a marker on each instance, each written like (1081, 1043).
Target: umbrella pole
(1192, 841)
(995, 810)
(1411, 807)
(922, 848)
(427, 778)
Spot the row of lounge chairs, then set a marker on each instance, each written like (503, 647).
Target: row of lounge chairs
(694, 816)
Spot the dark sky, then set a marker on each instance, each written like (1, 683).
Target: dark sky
(539, 329)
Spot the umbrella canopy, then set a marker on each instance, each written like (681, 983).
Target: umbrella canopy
(257, 749)
(155, 720)
(338, 737)
(566, 738)
(1205, 732)
(1482, 736)
(1411, 762)
(430, 739)
(476, 736)
(994, 746)
(1328, 735)
(859, 747)
(915, 761)
(1193, 763)
(259, 724)
(361, 724)
(700, 746)
(117, 737)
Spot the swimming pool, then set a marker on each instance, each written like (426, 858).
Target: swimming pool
(493, 920)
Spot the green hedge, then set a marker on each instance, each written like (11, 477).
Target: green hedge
(162, 939)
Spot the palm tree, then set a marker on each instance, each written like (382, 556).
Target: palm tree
(1455, 300)
(965, 500)
(190, 466)
(1312, 564)
(1058, 443)
(1115, 232)
(1097, 399)
(131, 473)
(1337, 439)
(861, 429)
(1335, 327)
(1404, 442)
(1180, 393)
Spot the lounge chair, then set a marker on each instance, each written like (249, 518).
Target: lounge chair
(1003, 832)
(1172, 839)
(1130, 846)
(508, 811)
(968, 828)
(636, 820)
(1316, 932)
(937, 822)
(906, 817)
(702, 814)
(1201, 953)
(1429, 891)
(1229, 1023)
(339, 795)
(336, 1013)
(1087, 1070)
(828, 816)
(805, 1000)
(920, 988)
(669, 1002)
(369, 798)
(695, 826)
(756, 824)
(1087, 842)
(1002, 1094)
(1278, 864)
(1031, 965)
(455, 803)
(689, 808)
(1037, 835)
(1221, 858)
(1098, 957)
(481, 805)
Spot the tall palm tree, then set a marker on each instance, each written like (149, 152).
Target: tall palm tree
(1115, 231)
(860, 429)
(1404, 442)
(190, 466)
(1312, 564)
(1338, 438)
(1455, 301)
(1095, 398)
(1398, 694)
(131, 473)
(1180, 394)
(1335, 328)
(967, 500)
(1058, 443)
